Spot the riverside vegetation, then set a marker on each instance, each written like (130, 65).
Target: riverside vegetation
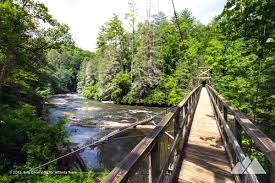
(150, 65)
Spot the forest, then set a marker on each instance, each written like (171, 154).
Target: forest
(154, 64)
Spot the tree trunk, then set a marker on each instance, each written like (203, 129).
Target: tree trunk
(4, 69)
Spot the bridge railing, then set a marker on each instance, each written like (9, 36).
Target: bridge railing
(234, 126)
(154, 159)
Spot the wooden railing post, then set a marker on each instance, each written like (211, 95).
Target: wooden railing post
(219, 103)
(154, 163)
(177, 126)
(238, 132)
(225, 113)
(186, 111)
(272, 174)
(177, 122)
(191, 101)
(150, 168)
(238, 135)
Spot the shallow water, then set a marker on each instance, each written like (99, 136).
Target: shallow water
(88, 112)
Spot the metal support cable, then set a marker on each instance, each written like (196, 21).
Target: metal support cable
(177, 21)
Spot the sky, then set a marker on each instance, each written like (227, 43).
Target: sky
(84, 17)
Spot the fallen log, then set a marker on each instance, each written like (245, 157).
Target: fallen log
(113, 126)
(101, 141)
(119, 132)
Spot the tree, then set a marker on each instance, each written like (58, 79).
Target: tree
(132, 16)
(23, 48)
(64, 65)
(147, 72)
(159, 57)
(113, 53)
(159, 19)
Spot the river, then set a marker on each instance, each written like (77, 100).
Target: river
(90, 120)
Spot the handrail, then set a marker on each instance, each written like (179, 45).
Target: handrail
(242, 123)
(240, 155)
(149, 146)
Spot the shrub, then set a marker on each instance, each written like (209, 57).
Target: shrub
(155, 97)
(90, 91)
(121, 86)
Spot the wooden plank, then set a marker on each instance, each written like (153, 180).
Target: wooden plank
(212, 155)
(196, 165)
(155, 162)
(202, 175)
(209, 162)
(179, 138)
(204, 156)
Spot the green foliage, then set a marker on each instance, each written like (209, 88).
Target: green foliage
(130, 98)
(33, 64)
(61, 80)
(110, 59)
(24, 44)
(74, 177)
(91, 91)
(122, 85)
(31, 145)
(64, 65)
(240, 53)
(150, 65)
(156, 97)
(157, 72)
(56, 179)
(27, 142)
(167, 93)
(241, 59)
(88, 73)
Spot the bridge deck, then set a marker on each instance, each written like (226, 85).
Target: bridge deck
(204, 156)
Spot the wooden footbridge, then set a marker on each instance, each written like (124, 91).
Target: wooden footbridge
(199, 141)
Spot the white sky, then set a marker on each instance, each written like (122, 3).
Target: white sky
(84, 17)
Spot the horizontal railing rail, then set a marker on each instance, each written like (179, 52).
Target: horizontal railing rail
(241, 125)
(161, 166)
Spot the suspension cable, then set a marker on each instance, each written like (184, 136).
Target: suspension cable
(177, 21)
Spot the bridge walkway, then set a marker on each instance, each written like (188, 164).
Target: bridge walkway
(205, 145)
(204, 157)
